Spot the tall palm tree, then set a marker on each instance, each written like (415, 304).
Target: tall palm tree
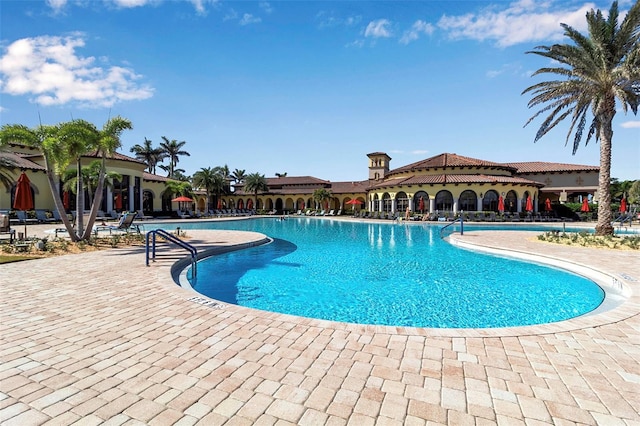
(90, 177)
(46, 140)
(173, 150)
(108, 142)
(238, 175)
(255, 182)
(596, 70)
(321, 195)
(211, 180)
(150, 155)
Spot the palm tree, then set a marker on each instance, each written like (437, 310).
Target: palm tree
(238, 175)
(597, 69)
(255, 182)
(281, 175)
(108, 142)
(90, 177)
(211, 180)
(46, 140)
(173, 150)
(321, 195)
(150, 155)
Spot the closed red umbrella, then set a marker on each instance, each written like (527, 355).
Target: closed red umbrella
(66, 201)
(529, 205)
(219, 204)
(24, 197)
(421, 205)
(501, 204)
(250, 204)
(623, 205)
(547, 205)
(585, 206)
(118, 200)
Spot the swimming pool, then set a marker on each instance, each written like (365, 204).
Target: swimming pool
(386, 274)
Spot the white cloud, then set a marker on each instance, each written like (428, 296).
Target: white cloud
(266, 7)
(420, 152)
(378, 29)
(48, 69)
(329, 20)
(248, 18)
(630, 125)
(56, 5)
(128, 4)
(522, 21)
(231, 15)
(417, 29)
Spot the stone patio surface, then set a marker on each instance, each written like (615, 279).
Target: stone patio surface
(99, 338)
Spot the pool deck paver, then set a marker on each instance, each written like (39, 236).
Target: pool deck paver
(99, 338)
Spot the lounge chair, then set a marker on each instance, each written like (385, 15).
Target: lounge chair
(125, 225)
(42, 217)
(23, 218)
(5, 227)
(331, 213)
(322, 213)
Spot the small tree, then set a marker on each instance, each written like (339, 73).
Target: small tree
(254, 183)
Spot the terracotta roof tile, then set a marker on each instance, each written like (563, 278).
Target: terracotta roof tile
(466, 179)
(296, 180)
(448, 160)
(546, 167)
(21, 161)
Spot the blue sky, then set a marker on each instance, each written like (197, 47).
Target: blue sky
(302, 87)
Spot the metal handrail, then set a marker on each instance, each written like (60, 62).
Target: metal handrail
(172, 238)
(452, 223)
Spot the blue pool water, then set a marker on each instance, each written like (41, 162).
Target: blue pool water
(386, 274)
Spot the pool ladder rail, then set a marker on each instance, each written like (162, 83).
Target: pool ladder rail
(451, 224)
(151, 247)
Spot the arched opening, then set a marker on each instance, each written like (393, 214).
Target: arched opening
(444, 201)
(468, 201)
(147, 201)
(511, 202)
(402, 201)
(421, 202)
(490, 201)
(386, 202)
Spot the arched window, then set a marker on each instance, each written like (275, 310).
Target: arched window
(375, 202)
(468, 201)
(444, 201)
(421, 202)
(147, 201)
(386, 202)
(402, 201)
(490, 201)
(511, 202)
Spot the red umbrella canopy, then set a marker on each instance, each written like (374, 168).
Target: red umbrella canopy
(354, 202)
(585, 205)
(623, 205)
(182, 199)
(66, 200)
(529, 206)
(547, 205)
(24, 198)
(501, 204)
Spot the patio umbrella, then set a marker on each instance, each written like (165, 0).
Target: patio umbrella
(354, 202)
(501, 204)
(219, 204)
(118, 200)
(585, 206)
(182, 199)
(250, 204)
(421, 205)
(623, 205)
(529, 206)
(66, 202)
(24, 198)
(547, 205)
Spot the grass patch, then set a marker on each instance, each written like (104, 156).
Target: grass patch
(15, 258)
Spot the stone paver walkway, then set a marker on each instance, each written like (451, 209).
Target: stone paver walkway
(98, 338)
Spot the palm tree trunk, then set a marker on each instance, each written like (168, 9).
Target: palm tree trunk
(57, 200)
(80, 201)
(603, 226)
(97, 200)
